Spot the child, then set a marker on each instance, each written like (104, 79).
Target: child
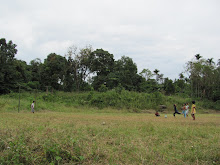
(32, 107)
(184, 110)
(193, 110)
(175, 109)
(157, 114)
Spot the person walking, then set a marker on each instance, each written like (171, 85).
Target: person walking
(32, 107)
(176, 111)
(193, 110)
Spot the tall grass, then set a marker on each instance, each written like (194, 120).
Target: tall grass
(64, 101)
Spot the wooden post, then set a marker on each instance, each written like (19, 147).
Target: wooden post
(19, 100)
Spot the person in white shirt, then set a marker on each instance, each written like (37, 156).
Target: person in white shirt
(32, 107)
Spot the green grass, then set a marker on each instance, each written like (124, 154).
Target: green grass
(75, 102)
(98, 128)
(108, 138)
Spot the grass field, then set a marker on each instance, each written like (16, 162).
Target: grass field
(108, 138)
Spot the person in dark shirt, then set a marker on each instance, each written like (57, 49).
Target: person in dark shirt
(157, 114)
(176, 111)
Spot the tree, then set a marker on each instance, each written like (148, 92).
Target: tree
(169, 86)
(79, 64)
(85, 59)
(180, 85)
(36, 71)
(146, 73)
(54, 71)
(148, 86)
(218, 63)
(102, 64)
(195, 71)
(22, 71)
(8, 78)
(198, 56)
(156, 72)
(181, 76)
(204, 78)
(126, 71)
(210, 61)
(160, 78)
(216, 86)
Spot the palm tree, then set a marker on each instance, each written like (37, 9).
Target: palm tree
(218, 62)
(198, 56)
(160, 77)
(156, 71)
(181, 76)
(210, 61)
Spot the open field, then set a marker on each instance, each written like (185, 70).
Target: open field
(108, 138)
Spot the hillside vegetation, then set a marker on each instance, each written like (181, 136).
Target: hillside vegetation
(86, 69)
(117, 100)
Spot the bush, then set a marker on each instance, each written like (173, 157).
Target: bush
(103, 88)
(118, 99)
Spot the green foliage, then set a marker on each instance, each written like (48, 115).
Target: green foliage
(117, 98)
(53, 71)
(119, 88)
(169, 87)
(204, 78)
(126, 72)
(147, 74)
(149, 86)
(86, 70)
(33, 84)
(57, 154)
(16, 152)
(102, 62)
(20, 150)
(79, 63)
(103, 88)
(8, 70)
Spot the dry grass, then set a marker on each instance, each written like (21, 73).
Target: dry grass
(108, 138)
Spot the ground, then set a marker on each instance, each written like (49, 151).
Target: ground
(108, 138)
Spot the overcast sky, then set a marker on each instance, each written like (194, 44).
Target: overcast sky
(156, 34)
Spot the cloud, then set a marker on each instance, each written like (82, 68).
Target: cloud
(156, 34)
(54, 46)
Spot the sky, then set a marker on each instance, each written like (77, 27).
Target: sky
(156, 34)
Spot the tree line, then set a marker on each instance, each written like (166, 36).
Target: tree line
(85, 69)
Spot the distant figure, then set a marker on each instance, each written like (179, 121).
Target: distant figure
(184, 110)
(157, 114)
(193, 110)
(32, 107)
(176, 111)
(187, 109)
